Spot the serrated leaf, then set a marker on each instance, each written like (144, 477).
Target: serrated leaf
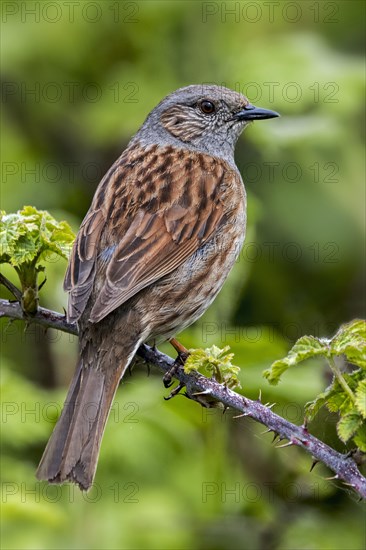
(305, 348)
(360, 395)
(313, 407)
(360, 438)
(357, 327)
(354, 378)
(25, 250)
(194, 360)
(216, 362)
(30, 233)
(25, 238)
(340, 402)
(350, 341)
(348, 426)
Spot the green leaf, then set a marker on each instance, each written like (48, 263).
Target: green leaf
(305, 348)
(339, 402)
(361, 398)
(357, 327)
(216, 362)
(27, 237)
(30, 233)
(346, 395)
(360, 438)
(348, 425)
(350, 340)
(313, 407)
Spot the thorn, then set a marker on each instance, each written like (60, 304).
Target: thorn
(204, 392)
(314, 463)
(349, 484)
(240, 415)
(269, 406)
(260, 396)
(225, 409)
(65, 314)
(332, 477)
(42, 283)
(284, 445)
(305, 425)
(275, 436)
(12, 288)
(266, 431)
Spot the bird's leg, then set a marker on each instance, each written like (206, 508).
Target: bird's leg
(178, 346)
(179, 362)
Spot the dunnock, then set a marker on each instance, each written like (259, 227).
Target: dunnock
(162, 234)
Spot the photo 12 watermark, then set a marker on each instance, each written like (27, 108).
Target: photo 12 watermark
(54, 91)
(270, 12)
(126, 493)
(71, 11)
(251, 492)
(37, 412)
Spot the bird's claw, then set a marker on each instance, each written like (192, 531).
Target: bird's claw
(167, 378)
(175, 392)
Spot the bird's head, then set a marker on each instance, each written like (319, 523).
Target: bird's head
(205, 118)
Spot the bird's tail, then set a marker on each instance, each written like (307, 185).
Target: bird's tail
(73, 449)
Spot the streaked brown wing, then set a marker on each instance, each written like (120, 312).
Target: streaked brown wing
(157, 213)
(81, 269)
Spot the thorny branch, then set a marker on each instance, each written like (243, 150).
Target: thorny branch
(208, 392)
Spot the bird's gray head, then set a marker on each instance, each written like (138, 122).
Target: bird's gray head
(204, 118)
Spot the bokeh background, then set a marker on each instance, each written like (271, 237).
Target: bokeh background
(78, 79)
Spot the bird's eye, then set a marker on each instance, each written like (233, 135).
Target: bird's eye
(207, 107)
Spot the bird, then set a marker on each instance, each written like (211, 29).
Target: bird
(163, 231)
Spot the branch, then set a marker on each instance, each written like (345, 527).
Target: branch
(44, 317)
(207, 392)
(12, 288)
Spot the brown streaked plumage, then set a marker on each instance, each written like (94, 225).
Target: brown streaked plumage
(163, 231)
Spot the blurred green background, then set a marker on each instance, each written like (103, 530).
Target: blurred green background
(78, 79)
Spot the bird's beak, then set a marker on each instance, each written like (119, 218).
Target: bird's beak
(251, 112)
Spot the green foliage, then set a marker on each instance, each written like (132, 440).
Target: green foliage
(305, 348)
(350, 340)
(346, 395)
(215, 362)
(176, 449)
(360, 396)
(30, 234)
(28, 237)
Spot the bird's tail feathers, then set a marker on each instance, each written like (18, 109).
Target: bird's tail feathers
(73, 449)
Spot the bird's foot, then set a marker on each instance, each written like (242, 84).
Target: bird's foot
(168, 376)
(183, 353)
(175, 392)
